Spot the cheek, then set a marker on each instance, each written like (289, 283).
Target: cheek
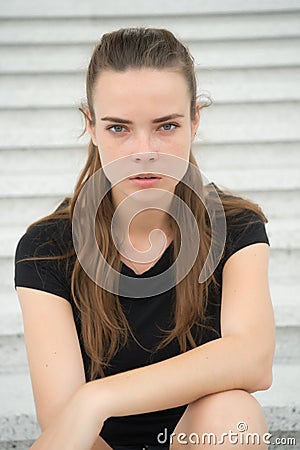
(182, 145)
(107, 152)
(182, 151)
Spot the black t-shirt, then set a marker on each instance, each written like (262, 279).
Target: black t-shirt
(145, 315)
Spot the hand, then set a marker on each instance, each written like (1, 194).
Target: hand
(76, 427)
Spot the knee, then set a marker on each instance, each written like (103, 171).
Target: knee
(234, 411)
(233, 406)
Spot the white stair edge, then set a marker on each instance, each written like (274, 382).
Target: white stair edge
(17, 8)
(243, 25)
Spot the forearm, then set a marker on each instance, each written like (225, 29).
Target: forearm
(220, 365)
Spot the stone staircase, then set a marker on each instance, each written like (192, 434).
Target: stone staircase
(248, 59)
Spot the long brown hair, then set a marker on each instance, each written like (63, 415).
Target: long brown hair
(104, 325)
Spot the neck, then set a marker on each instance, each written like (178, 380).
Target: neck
(146, 221)
(135, 223)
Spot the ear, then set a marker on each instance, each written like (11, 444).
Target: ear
(196, 121)
(90, 128)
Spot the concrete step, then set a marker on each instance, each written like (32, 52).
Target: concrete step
(287, 345)
(230, 123)
(51, 161)
(255, 155)
(220, 124)
(285, 299)
(39, 186)
(18, 420)
(42, 90)
(281, 402)
(253, 85)
(92, 8)
(23, 211)
(189, 27)
(19, 445)
(213, 54)
(278, 230)
(11, 322)
(42, 128)
(275, 203)
(260, 179)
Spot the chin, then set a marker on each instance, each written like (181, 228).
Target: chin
(150, 195)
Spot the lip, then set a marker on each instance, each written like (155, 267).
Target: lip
(145, 182)
(145, 175)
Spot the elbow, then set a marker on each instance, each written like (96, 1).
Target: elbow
(262, 373)
(259, 364)
(260, 379)
(265, 381)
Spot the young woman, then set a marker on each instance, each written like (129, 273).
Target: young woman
(149, 361)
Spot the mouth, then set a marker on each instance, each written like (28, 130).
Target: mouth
(145, 176)
(145, 180)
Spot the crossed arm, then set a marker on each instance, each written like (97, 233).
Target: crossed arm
(240, 359)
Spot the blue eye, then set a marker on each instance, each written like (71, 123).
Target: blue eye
(168, 126)
(117, 128)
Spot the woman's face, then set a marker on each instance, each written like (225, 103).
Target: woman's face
(144, 116)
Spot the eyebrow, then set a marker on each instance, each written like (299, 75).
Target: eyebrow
(158, 120)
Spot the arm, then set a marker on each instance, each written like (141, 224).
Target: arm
(240, 359)
(54, 356)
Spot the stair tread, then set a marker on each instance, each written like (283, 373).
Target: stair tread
(244, 25)
(17, 8)
(272, 52)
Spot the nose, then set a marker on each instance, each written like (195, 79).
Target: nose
(144, 156)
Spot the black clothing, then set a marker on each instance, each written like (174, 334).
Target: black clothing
(145, 315)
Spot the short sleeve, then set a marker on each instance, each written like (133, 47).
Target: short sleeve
(247, 229)
(43, 240)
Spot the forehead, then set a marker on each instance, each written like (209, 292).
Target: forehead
(141, 89)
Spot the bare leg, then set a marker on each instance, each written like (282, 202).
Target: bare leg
(236, 414)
